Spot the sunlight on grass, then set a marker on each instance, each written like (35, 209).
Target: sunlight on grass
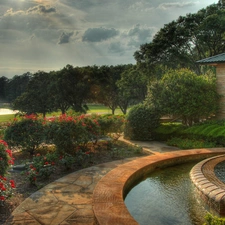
(6, 118)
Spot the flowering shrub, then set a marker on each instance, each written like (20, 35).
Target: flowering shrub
(27, 133)
(67, 161)
(41, 167)
(6, 186)
(6, 189)
(66, 132)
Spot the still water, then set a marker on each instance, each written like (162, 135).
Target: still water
(166, 197)
(220, 171)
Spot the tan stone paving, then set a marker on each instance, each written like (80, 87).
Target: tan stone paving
(69, 200)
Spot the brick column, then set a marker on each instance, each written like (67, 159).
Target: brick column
(220, 83)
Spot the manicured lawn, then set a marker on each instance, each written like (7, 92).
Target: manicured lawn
(92, 109)
(6, 118)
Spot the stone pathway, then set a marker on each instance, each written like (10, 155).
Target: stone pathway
(68, 200)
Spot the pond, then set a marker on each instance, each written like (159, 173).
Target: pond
(166, 197)
(4, 111)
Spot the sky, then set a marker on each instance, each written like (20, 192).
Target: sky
(47, 35)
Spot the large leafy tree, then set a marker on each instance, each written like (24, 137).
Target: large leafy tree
(106, 90)
(132, 88)
(185, 95)
(37, 97)
(73, 85)
(3, 83)
(183, 41)
(17, 86)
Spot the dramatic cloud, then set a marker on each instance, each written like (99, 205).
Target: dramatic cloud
(48, 34)
(99, 34)
(41, 9)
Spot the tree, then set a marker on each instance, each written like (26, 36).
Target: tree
(182, 42)
(132, 88)
(73, 85)
(185, 95)
(3, 83)
(37, 98)
(106, 89)
(16, 86)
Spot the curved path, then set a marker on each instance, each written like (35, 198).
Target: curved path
(95, 195)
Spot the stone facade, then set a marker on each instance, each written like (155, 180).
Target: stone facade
(220, 82)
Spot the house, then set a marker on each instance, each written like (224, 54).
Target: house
(219, 62)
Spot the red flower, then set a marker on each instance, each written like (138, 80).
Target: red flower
(9, 152)
(4, 143)
(12, 183)
(46, 163)
(2, 198)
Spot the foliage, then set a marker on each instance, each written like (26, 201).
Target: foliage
(132, 88)
(141, 121)
(68, 132)
(166, 131)
(16, 86)
(6, 189)
(41, 167)
(72, 88)
(6, 186)
(182, 42)
(190, 143)
(184, 94)
(36, 98)
(213, 131)
(111, 123)
(213, 220)
(5, 157)
(26, 132)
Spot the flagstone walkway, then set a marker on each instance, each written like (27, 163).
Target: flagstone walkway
(69, 200)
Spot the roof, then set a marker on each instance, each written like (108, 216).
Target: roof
(214, 59)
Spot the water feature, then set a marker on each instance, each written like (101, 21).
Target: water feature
(220, 171)
(166, 197)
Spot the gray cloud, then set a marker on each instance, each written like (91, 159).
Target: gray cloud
(65, 38)
(41, 9)
(140, 35)
(99, 34)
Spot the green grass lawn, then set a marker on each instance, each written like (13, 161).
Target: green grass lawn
(6, 118)
(92, 109)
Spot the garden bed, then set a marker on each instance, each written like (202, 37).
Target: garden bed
(102, 152)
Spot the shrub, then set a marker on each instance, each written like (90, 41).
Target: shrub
(68, 132)
(6, 186)
(27, 133)
(166, 131)
(111, 123)
(213, 220)
(213, 131)
(141, 121)
(190, 144)
(41, 167)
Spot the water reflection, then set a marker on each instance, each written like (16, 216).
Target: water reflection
(166, 197)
